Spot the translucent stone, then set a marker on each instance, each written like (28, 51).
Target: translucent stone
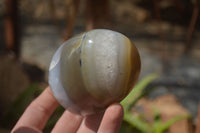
(93, 70)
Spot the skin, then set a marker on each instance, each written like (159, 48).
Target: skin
(38, 112)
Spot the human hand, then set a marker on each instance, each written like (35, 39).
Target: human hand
(38, 112)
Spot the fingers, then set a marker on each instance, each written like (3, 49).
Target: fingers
(37, 113)
(68, 123)
(90, 124)
(108, 122)
(112, 119)
(73, 123)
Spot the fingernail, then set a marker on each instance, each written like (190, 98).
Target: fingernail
(26, 130)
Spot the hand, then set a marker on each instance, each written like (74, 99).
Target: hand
(38, 112)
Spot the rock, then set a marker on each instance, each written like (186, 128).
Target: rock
(13, 80)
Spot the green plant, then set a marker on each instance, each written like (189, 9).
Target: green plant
(20, 104)
(135, 123)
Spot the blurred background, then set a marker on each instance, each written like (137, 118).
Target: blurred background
(166, 33)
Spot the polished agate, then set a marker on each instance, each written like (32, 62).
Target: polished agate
(93, 70)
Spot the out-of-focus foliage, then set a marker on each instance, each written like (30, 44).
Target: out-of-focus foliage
(135, 123)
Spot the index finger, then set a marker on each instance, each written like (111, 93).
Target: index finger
(38, 112)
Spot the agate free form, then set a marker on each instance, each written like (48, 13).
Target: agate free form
(93, 70)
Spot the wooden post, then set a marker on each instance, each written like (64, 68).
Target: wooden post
(97, 14)
(11, 27)
(191, 27)
(163, 52)
(72, 10)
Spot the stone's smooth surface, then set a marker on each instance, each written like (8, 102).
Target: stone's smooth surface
(93, 70)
